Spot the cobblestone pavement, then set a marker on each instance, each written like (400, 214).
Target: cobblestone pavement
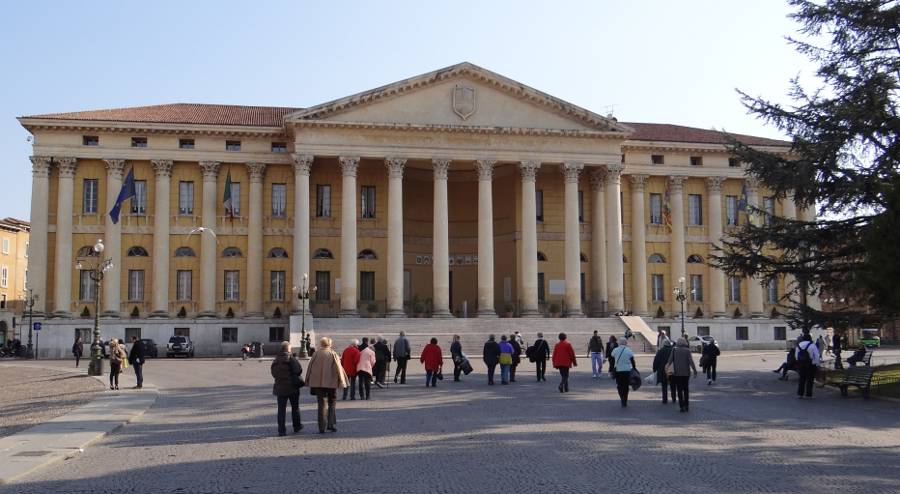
(32, 395)
(213, 428)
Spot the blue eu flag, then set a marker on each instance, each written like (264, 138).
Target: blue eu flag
(127, 192)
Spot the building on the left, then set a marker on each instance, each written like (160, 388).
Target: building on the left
(13, 275)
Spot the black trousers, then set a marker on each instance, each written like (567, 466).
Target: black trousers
(491, 369)
(351, 388)
(622, 381)
(668, 388)
(379, 371)
(139, 373)
(327, 417)
(711, 370)
(114, 369)
(564, 378)
(295, 412)
(457, 368)
(540, 366)
(401, 370)
(77, 359)
(512, 371)
(681, 385)
(807, 376)
(365, 383)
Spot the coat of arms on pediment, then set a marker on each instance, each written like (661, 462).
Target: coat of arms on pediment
(463, 101)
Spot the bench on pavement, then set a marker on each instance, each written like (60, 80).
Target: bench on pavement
(860, 377)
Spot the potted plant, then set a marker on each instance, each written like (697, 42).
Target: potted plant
(660, 313)
(554, 310)
(698, 314)
(508, 309)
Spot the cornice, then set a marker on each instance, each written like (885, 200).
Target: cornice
(460, 129)
(37, 124)
(692, 147)
(147, 154)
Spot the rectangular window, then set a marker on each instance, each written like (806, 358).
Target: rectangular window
(135, 284)
(229, 335)
(86, 288)
(539, 204)
(6, 246)
(731, 212)
(695, 209)
(367, 286)
(90, 141)
(279, 200)
(185, 198)
(232, 145)
(235, 199)
(279, 147)
(741, 333)
(323, 286)
(734, 162)
(696, 161)
(667, 329)
(734, 289)
(139, 201)
(276, 334)
(659, 292)
(656, 209)
(323, 201)
(132, 333)
(276, 279)
(89, 196)
(780, 333)
(702, 330)
(772, 291)
(367, 201)
(138, 142)
(581, 206)
(769, 208)
(542, 296)
(183, 282)
(582, 288)
(696, 288)
(182, 332)
(4, 276)
(657, 159)
(185, 144)
(84, 334)
(232, 285)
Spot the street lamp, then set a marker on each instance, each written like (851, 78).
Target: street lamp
(29, 302)
(303, 293)
(681, 295)
(96, 273)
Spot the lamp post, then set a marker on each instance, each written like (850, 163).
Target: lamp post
(303, 293)
(29, 302)
(96, 273)
(681, 295)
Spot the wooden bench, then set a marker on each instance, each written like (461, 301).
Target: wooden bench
(861, 377)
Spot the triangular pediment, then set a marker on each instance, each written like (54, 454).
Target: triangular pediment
(460, 96)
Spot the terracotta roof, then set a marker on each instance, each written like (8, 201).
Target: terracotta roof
(13, 224)
(184, 113)
(680, 133)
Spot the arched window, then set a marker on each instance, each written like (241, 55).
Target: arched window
(656, 259)
(322, 254)
(232, 252)
(584, 258)
(278, 252)
(694, 259)
(367, 254)
(137, 251)
(541, 256)
(185, 252)
(87, 251)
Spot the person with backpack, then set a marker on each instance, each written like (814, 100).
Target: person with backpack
(595, 353)
(539, 353)
(807, 356)
(708, 358)
(621, 359)
(563, 360)
(491, 355)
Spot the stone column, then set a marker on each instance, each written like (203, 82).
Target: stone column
(160, 299)
(529, 270)
(63, 266)
(440, 258)
(789, 211)
(302, 166)
(677, 258)
(37, 241)
(349, 166)
(638, 246)
(395, 237)
(812, 299)
(615, 266)
(716, 276)
(754, 288)
(599, 292)
(571, 171)
(113, 240)
(485, 238)
(208, 250)
(255, 241)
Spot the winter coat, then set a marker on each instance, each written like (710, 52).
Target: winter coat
(491, 353)
(456, 351)
(325, 371)
(77, 349)
(349, 360)
(659, 363)
(136, 357)
(683, 360)
(610, 346)
(401, 348)
(284, 368)
(541, 349)
(432, 357)
(117, 355)
(366, 361)
(382, 352)
(563, 355)
(517, 352)
(709, 353)
(596, 344)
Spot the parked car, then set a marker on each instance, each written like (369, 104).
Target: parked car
(696, 343)
(150, 350)
(870, 338)
(180, 345)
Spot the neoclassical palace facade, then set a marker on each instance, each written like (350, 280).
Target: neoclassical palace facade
(457, 193)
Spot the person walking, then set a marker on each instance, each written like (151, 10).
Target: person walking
(382, 359)
(77, 350)
(611, 344)
(456, 355)
(516, 355)
(835, 349)
(491, 356)
(433, 360)
(709, 356)
(683, 363)
(364, 369)
(117, 355)
(621, 359)
(595, 353)
(506, 359)
(349, 361)
(401, 355)
(659, 367)
(563, 360)
(136, 359)
(287, 372)
(807, 357)
(324, 376)
(541, 355)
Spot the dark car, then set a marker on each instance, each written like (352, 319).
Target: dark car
(150, 350)
(180, 345)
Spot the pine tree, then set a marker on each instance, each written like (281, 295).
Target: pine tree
(843, 161)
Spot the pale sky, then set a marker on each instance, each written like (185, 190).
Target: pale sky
(647, 61)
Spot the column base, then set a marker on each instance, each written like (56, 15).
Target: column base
(530, 313)
(110, 314)
(207, 314)
(443, 314)
(159, 314)
(575, 314)
(486, 314)
(395, 314)
(62, 314)
(719, 315)
(758, 315)
(254, 315)
(349, 313)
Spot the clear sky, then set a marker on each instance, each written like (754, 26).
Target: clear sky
(647, 61)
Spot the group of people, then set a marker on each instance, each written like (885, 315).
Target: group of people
(673, 365)
(120, 358)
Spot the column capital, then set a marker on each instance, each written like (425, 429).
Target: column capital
(752, 184)
(714, 184)
(614, 172)
(571, 171)
(349, 165)
(676, 183)
(529, 169)
(302, 163)
(395, 166)
(440, 166)
(638, 181)
(598, 179)
(485, 168)
(40, 166)
(210, 169)
(66, 166)
(257, 171)
(114, 167)
(163, 168)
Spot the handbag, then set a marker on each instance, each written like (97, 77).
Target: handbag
(440, 376)
(670, 367)
(634, 379)
(704, 361)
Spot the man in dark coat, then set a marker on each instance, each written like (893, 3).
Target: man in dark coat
(541, 355)
(836, 350)
(491, 356)
(659, 367)
(456, 355)
(401, 355)
(382, 358)
(516, 357)
(136, 359)
(286, 371)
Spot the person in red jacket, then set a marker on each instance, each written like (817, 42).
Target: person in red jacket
(563, 359)
(433, 360)
(349, 361)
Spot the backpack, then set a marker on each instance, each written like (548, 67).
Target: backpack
(803, 355)
(531, 353)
